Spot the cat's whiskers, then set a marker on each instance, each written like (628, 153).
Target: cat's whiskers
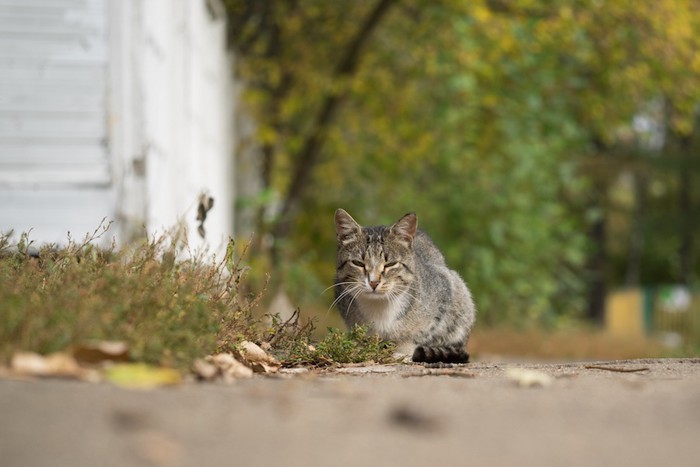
(337, 283)
(343, 294)
(355, 286)
(406, 290)
(360, 290)
(393, 298)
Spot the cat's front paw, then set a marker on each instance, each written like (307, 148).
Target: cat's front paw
(440, 354)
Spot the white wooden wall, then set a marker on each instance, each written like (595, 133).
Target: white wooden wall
(55, 170)
(114, 108)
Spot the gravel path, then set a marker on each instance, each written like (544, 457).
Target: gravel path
(636, 412)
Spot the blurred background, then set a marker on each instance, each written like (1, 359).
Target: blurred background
(550, 149)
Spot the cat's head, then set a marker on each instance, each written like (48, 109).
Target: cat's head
(375, 261)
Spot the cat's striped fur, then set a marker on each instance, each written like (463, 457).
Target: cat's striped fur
(394, 280)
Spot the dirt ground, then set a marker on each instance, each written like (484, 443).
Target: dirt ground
(633, 412)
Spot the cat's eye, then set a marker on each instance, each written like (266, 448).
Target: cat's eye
(390, 265)
(359, 264)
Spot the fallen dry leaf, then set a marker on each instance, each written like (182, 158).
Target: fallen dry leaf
(53, 365)
(141, 376)
(256, 358)
(228, 367)
(260, 367)
(101, 351)
(205, 370)
(250, 352)
(38, 365)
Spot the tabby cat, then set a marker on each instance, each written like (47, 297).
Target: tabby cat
(395, 281)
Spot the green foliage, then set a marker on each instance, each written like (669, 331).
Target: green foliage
(487, 118)
(353, 346)
(169, 311)
(293, 345)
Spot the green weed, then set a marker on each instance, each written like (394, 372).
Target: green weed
(293, 345)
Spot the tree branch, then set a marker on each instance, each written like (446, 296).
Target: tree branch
(308, 156)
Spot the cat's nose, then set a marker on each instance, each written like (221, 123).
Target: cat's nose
(374, 284)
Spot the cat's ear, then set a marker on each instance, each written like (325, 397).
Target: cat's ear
(346, 229)
(405, 228)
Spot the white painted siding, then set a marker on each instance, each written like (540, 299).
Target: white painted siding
(114, 108)
(53, 57)
(187, 109)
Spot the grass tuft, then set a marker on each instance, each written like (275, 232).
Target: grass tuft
(293, 345)
(169, 310)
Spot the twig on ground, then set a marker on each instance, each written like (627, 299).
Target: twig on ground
(616, 369)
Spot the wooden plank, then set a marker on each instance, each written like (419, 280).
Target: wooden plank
(39, 127)
(53, 110)
(68, 153)
(30, 73)
(51, 100)
(51, 25)
(82, 48)
(88, 175)
(38, 7)
(52, 212)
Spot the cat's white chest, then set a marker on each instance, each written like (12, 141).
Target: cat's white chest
(381, 313)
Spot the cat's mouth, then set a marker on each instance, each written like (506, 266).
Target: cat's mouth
(375, 293)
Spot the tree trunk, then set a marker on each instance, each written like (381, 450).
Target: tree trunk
(309, 154)
(685, 249)
(681, 148)
(597, 263)
(637, 232)
(597, 268)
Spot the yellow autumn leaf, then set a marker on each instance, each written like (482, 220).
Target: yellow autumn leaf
(141, 376)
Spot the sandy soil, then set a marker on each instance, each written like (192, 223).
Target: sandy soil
(636, 412)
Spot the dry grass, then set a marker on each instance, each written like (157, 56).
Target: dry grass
(169, 305)
(169, 311)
